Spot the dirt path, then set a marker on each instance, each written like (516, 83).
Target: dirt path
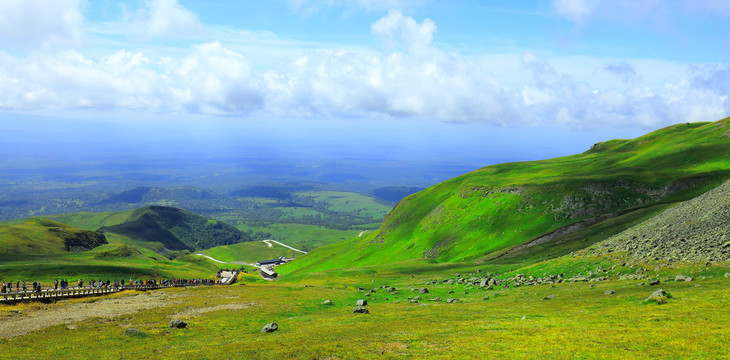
(40, 316)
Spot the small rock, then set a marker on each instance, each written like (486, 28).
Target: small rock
(450, 292)
(413, 301)
(360, 310)
(270, 327)
(132, 331)
(178, 324)
(654, 282)
(423, 290)
(417, 297)
(452, 301)
(727, 274)
(486, 297)
(680, 278)
(436, 299)
(327, 302)
(610, 292)
(549, 297)
(362, 302)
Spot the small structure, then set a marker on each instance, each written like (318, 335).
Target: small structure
(279, 261)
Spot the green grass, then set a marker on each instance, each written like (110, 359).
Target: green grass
(249, 252)
(348, 202)
(305, 237)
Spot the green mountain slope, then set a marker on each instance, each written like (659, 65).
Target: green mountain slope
(176, 229)
(43, 236)
(480, 215)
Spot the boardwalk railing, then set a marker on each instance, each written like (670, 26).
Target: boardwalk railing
(53, 294)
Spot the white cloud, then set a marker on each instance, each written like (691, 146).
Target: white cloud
(28, 24)
(311, 6)
(413, 79)
(163, 19)
(576, 10)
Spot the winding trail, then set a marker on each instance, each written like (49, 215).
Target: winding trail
(223, 262)
(268, 242)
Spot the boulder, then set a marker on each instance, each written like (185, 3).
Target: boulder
(423, 290)
(549, 297)
(610, 292)
(360, 310)
(327, 302)
(654, 282)
(270, 327)
(660, 296)
(362, 302)
(417, 297)
(413, 301)
(436, 299)
(452, 301)
(178, 324)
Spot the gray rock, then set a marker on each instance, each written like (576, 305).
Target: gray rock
(727, 274)
(654, 282)
(486, 297)
(417, 297)
(549, 297)
(360, 310)
(270, 327)
(413, 301)
(423, 290)
(452, 301)
(327, 302)
(436, 299)
(178, 324)
(132, 331)
(450, 292)
(660, 296)
(610, 292)
(362, 302)
(681, 278)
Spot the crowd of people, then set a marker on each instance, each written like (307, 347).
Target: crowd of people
(63, 284)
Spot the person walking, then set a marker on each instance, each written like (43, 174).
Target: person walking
(25, 287)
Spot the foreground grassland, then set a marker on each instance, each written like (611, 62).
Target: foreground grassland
(579, 321)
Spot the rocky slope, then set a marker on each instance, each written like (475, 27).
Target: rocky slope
(697, 230)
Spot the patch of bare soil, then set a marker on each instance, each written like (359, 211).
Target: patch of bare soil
(192, 312)
(40, 317)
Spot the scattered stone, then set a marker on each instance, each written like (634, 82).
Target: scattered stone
(452, 301)
(641, 284)
(681, 278)
(178, 324)
(436, 299)
(610, 292)
(524, 317)
(360, 310)
(549, 297)
(423, 290)
(361, 289)
(270, 327)
(367, 294)
(362, 302)
(450, 292)
(132, 331)
(660, 296)
(327, 302)
(413, 301)
(654, 282)
(417, 297)
(727, 274)
(486, 297)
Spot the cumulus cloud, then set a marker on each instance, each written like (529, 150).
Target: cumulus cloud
(163, 19)
(583, 11)
(29, 24)
(413, 79)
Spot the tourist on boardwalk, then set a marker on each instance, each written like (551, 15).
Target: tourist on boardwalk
(5, 287)
(55, 285)
(25, 287)
(10, 286)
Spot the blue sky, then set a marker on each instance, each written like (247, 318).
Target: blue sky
(471, 76)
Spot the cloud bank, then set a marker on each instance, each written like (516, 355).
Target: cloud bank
(409, 78)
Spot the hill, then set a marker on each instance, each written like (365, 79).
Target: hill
(43, 236)
(483, 214)
(176, 229)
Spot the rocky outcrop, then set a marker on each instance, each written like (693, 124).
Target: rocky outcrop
(695, 231)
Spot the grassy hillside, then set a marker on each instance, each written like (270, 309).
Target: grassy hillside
(479, 215)
(176, 229)
(248, 252)
(43, 236)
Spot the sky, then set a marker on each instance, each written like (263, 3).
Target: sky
(476, 81)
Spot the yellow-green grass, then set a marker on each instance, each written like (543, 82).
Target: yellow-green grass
(248, 252)
(579, 321)
(32, 236)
